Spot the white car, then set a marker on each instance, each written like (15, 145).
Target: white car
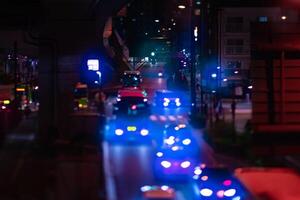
(158, 192)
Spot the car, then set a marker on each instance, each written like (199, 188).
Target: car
(158, 192)
(219, 183)
(131, 79)
(133, 129)
(131, 102)
(170, 99)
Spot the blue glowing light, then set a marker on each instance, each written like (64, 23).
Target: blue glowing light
(214, 75)
(197, 171)
(159, 154)
(164, 187)
(145, 188)
(229, 193)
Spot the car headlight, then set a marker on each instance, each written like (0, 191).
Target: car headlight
(206, 192)
(159, 154)
(185, 164)
(119, 132)
(144, 132)
(229, 193)
(165, 164)
(186, 141)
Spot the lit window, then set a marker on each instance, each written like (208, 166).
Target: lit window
(263, 19)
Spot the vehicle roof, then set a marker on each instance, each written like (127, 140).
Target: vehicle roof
(132, 93)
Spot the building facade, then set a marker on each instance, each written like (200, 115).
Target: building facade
(234, 42)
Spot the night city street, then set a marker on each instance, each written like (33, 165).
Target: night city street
(150, 100)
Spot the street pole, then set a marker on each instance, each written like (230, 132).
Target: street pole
(193, 60)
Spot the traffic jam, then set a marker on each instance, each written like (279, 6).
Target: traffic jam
(162, 122)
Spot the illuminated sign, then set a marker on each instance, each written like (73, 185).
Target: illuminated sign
(93, 64)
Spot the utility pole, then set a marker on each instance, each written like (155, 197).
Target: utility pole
(15, 65)
(193, 60)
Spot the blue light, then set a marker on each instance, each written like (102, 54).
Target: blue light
(175, 148)
(165, 104)
(160, 74)
(236, 198)
(164, 187)
(145, 188)
(214, 75)
(197, 171)
(170, 140)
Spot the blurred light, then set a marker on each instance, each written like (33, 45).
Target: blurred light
(3, 107)
(96, 82)
(236, 72)
(218, 67)
(213, 75)
(225, 79)
(170, 140)
(36, 87)
(93, 64)
(159, 154)
(131, 128)
(166, 100)
(202, 166)
(152, 53)
(133, 107)
(166, 104)
(206, 192)
(174, 24)
(178, 104)
(204, 178)
(220, 193)
(250, 87)
(177, 100)
(169, 29)
(20, 89)
(164, 187)
(198, 2)
(147, 59)
(119, 132)
(157, 20)
(229, 193)
(145, 100)
(175, 148)
(283, 17)
(176, 128)
(227, 182)
(160, 74)
(196, 31)
(165, 164)
(236, 198)
(186, 141)
(146, 33)
(214, 91)
(5, 102)
(181, 6)
(144, 132)
(118, 99)
(197, 171)
(185, 164)
(145, 188)
(195, 177)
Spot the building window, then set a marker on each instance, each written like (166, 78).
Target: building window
(263, 19)
(234, 64)
(235, 47)
(234, 24)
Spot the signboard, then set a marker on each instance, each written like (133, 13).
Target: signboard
(93, 64)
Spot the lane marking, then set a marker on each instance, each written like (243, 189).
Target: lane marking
(109, 180)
